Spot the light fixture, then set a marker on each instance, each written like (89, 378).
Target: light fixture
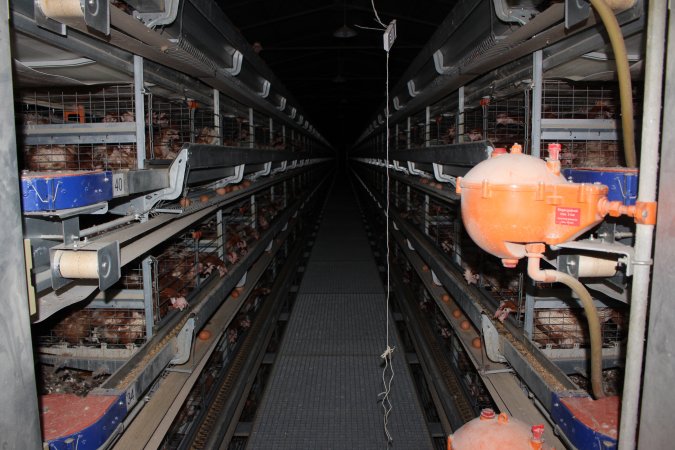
(344, 31)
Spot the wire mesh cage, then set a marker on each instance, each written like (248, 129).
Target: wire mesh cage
(579, 107)
(568, 328)
(83, 129)
(169, 125)
(418, 130)
(93, 327)
(261, 130)
(206, 128)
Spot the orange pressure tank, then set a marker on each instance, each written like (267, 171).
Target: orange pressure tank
(514, 199)
(491, 431)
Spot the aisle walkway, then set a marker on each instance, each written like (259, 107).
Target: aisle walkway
(323, 390)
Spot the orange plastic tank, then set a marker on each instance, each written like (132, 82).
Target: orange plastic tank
(514, 199)
(491, 431)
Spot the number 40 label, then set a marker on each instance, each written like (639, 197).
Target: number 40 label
(119, 185)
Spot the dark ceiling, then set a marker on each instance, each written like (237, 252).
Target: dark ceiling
(339, 82)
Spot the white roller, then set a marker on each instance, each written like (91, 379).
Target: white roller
(79, 264)
(596, 267)
(620, 5)
(62, 10)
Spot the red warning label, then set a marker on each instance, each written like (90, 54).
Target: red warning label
(567, 216)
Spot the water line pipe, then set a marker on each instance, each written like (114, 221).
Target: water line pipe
(623, 74)
(644, 233)
(534, 256)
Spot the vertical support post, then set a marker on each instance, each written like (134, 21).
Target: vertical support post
(427, 127)
(216, 116)
(251, 129)
(426, 214)
(396, 138)
(457, 238)
(537, 92)
(139, 105)
(283, 135)
(459, 135)
(407, 198)
(254, 213)
(528, 326)
(661, 319)
(271, 131)
(285, 196)
(220, 241)
(407, 145)
(20, 425)
(148, 299)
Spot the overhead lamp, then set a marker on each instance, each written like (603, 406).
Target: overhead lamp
(344, 31)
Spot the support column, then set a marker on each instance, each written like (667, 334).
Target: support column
(537, 90)
(459, 131)
(216, 116)
(20, 424)
(139, 104)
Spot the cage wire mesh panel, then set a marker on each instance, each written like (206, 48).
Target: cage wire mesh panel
(77, 129)
(323, 391)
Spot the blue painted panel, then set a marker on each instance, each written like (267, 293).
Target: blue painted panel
(49, 192)
(623, 184)
(579, 434)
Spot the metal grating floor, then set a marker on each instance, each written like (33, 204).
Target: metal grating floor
(323, 390)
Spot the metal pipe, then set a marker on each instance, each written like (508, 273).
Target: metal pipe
(594, 327)
(108, 225)
(656, 32)
(537, 90)
(216, 116)
(139, 111)
(20, 424)
(623, 74)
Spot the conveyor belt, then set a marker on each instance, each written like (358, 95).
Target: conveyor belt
(323, 391)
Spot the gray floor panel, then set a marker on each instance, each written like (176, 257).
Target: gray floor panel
(341, 277)
(323, 389)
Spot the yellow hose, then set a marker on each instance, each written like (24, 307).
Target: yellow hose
(623, 73)
(594, 328)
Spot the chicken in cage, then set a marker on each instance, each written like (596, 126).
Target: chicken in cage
(63, 380)
(94, 326)
(565, 327)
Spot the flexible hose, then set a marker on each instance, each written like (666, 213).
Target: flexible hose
(594, 328)
(623, 73)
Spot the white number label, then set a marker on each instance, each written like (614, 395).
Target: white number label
(119, 186)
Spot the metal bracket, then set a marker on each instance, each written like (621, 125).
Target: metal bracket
(281, 168)
(595, 245)
(166, 15)
(143, 204)
(184, 343)
(492, 340)
(398, 168)
(267, 167)
(97, 15)
(242, 281)
(435, 279)
(108, 269)
(414, 171)
(441, 177)
(508, 14)
(576, 11)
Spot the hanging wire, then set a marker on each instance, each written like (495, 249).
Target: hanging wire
(388, 370)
